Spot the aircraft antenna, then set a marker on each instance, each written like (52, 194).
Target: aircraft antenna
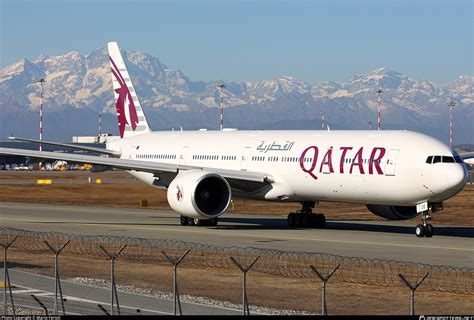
(221, 125)
(451, 105)
(379, 92)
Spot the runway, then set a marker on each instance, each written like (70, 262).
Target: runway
(384, 240)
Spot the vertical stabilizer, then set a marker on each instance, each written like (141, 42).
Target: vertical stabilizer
(131, 118)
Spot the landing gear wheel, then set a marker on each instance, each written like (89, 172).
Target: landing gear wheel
(319, 220)
(429, 230)
(214, 222)
(291, 220)
(298, 220)
(197, 222)
(420, 231)
(191, 222)
(305, 220)
(184, 220)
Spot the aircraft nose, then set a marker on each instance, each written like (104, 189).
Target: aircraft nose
(456, 178)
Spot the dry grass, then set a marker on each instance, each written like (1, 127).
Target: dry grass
(458, 210)
(263, 290)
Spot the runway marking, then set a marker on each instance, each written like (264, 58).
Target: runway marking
(220, 232)
(25, 291)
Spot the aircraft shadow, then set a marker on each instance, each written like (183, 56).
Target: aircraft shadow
(280, 224)
(275, 223)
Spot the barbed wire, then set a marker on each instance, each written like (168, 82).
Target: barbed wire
(357, 270)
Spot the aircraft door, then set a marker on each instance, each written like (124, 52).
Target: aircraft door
(245, 159)
(133, 151)
(182, 155)
(391, 162)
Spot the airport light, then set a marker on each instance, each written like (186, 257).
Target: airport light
(379, 92)
(221, 125)
(42, 81)
(322, 119)
(451, 105)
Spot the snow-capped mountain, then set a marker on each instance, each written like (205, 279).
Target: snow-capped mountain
(78, 87)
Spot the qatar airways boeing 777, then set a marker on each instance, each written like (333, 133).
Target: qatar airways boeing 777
(397, 174)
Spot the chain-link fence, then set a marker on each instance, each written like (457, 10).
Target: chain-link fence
(355, 270)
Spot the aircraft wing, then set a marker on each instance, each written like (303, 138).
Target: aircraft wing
(71, 146)
(138, 165)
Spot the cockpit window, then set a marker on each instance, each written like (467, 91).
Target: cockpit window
(448, 159)
(444, 159)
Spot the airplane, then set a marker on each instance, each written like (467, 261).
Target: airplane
(397, 174)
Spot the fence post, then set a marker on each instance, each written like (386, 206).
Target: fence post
(6, 278)
(245, 302)
(40, 303)
(413, 289)
(324, 309)
(175, 263)
(57, 281)
(112, 277)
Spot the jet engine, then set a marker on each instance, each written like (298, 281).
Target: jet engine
(393, 212)
(199, 194)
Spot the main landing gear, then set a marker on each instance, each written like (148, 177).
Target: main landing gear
(424, 229)
(186, 221)
(305, 217)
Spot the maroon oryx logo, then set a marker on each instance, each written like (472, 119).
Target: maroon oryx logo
(179, 193)
(124, 93)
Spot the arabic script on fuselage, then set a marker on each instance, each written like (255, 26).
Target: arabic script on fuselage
(274, 146)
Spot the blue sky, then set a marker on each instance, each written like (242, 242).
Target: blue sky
(254, 40)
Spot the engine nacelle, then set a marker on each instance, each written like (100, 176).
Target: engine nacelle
(199, 194)
(393, 212)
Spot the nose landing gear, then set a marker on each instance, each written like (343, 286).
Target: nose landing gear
(305, 217)
(424, 229)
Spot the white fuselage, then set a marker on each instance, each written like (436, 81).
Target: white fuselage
(372, 167)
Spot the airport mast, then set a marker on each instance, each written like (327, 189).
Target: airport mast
(221, 124)
(100, 124)
(379, 92)
(41, 114)
(451, 104)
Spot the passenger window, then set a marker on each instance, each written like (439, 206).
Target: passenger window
(429, 159)
(436, 159)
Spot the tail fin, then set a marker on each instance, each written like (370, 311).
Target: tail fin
(131, 118)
